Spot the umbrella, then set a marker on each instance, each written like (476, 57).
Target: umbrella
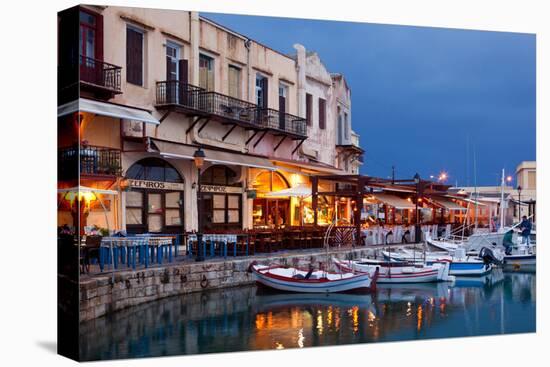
(299, 191)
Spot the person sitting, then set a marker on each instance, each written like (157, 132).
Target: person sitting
(507, 242)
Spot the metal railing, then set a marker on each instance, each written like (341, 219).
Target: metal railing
(100, 73)
(93, 160)
(174, 92)
(277, 120)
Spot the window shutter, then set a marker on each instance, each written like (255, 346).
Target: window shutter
(265, 89)
(322, 113)
(134, 57)
(183, 66)
(309, 102)
(99, 37)
(210, 78)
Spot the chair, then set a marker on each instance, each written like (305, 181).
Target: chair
(91, 251)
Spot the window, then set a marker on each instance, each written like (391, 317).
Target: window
(134, 56)
(206, 72)
(87, 44)
(154, 209)
(172, 57)
(234, 76)
(322, 113)
(309, 103)
(261, 91)
(346, 126)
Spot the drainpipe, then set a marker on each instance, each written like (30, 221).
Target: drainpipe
(195, 40)
(301, 71)
(247, 45)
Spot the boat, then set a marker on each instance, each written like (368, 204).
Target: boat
(398, 272)
(292, 279)
(460, 264)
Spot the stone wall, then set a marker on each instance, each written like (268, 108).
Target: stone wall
(100, 296)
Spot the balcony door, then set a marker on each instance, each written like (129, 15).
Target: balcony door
(91, 47)
(283, 92)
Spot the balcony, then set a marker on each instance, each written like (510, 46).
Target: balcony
(282, 122)
(94, 161)
(99, 76)
(193, 100)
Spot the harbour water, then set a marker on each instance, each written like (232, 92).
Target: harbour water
(249, 318)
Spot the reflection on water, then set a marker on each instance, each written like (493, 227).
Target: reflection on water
(245, 318)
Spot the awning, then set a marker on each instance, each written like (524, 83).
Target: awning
(85, 189)
(448, 204)
(300, 190)
(395, 201)
(107, 109)
(465, 200)
(184, 151)
(305, 167)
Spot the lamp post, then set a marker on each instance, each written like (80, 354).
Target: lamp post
(417, 237)
(198, 158)
(519, 202)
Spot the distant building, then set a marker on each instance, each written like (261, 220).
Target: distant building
(518, 201)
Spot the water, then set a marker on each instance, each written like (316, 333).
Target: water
(244, 318)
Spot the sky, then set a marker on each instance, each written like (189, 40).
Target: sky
(425, 100)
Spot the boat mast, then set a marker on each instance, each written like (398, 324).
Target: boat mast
(502, 202)
(475, 190)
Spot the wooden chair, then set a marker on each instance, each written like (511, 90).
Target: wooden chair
(91, 251)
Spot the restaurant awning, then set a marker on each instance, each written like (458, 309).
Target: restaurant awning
(184, 151)
(87, 189)
(300, 190)
(107, 109)
(395, 201)
(448, 204)
(305, 167)
(471, 201)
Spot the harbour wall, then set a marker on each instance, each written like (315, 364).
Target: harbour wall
(102, 295)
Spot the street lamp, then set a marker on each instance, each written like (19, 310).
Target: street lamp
(519, 202)
(417, 236)
(198, 158)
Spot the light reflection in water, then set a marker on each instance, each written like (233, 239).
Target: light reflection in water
(245, 319)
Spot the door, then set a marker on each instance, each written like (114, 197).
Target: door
(89, 71)
(282, 106)
(172, 72)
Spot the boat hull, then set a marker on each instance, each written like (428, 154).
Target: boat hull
(397, 275)
(357, 282)
(520, 262)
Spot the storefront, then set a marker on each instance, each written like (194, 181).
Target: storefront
(270, 212)
(221, 198)
(154, 200)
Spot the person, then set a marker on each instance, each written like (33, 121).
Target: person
(507, 242)
(525, 227)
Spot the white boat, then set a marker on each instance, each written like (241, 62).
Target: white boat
(460, 264)
(398, 272)
(291, 279)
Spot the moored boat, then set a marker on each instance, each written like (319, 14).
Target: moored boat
(459, 265)
(398, 272)
(291, 279)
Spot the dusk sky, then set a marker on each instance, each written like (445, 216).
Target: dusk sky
(421, 95)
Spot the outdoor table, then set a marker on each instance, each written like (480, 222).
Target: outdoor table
(126, 249)
(223, 239)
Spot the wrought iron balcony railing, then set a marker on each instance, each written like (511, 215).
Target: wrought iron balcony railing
(285, 122)
(174, 92)
(94, 160)
(100, 73)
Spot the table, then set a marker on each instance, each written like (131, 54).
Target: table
(129, 249)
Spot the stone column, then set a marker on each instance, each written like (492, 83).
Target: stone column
(301, 70)
(194, 54)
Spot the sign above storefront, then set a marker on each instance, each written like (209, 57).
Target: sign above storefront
(155, 185)
(222, 189)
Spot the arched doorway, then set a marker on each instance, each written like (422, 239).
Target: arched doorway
(270, 212)
(154, 202)
(221, 198)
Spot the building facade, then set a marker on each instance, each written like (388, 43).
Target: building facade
(141, 90)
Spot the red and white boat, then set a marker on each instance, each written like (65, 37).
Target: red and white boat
(303, 281)
(398, 272)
